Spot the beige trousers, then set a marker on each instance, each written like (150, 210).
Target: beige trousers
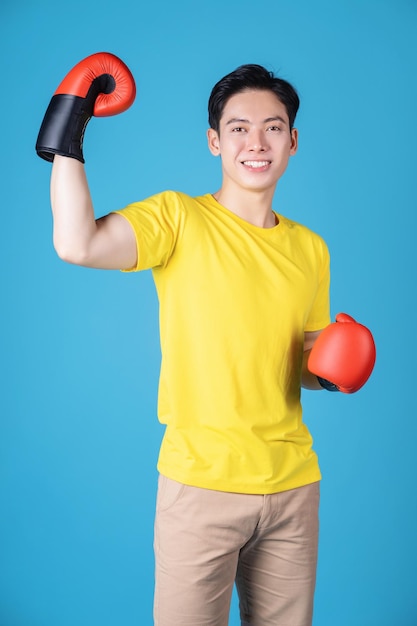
(206, 541)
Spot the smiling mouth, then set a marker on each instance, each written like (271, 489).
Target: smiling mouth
(256, 164)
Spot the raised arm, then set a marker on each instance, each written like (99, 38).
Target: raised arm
(99, 85)
(106, 243)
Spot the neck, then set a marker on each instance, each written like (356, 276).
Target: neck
(254, 207)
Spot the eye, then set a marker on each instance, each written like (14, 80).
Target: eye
(276, 129)
(238, 129)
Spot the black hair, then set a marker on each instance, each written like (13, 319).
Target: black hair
(248, 77)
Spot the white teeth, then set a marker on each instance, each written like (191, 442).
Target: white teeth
(256, 163)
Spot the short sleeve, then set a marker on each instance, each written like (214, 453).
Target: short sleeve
(157, 223)
(319, 314)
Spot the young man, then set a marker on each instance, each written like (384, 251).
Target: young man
(244, 295)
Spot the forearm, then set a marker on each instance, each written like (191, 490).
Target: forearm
(309, 380)
(74, 223)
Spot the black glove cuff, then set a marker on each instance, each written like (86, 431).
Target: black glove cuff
(63, 128)
(326, 384)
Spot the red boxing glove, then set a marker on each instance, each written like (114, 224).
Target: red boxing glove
(343, 355)
(99, 85)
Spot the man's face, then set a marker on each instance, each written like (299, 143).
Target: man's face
(254, 141)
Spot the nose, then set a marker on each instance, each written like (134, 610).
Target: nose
(257, 141)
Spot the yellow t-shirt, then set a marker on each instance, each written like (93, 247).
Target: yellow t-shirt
(235, 300)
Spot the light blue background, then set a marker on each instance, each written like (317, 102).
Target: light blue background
(79, 348)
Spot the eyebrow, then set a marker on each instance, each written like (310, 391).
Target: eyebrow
(275, 118)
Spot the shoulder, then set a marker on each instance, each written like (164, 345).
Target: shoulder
(303, 233)
(178, 199)
(162, 203)
(166, 206)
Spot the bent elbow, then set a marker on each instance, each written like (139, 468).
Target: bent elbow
(70, 254)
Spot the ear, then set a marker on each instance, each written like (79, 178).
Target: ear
(213, 142)
(294, 141)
